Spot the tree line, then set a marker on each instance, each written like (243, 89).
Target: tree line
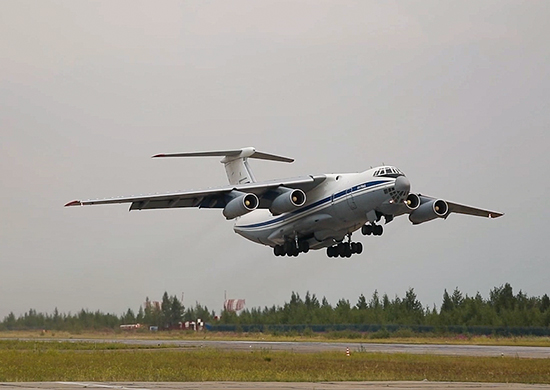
(502, 308)
(168, 314)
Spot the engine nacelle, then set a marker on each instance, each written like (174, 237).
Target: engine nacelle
(429, 210)
(412, 202)
(287, 201)
(240, 205)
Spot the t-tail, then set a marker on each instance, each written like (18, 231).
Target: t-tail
(235, 161)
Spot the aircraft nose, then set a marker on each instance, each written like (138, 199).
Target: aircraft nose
(402, 185)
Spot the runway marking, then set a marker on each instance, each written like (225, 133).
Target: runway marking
(87, 385)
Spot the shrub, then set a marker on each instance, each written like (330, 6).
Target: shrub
(404, 333)
(381, 334)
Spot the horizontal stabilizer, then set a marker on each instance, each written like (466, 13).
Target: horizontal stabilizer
(230, 155)
(271, 157)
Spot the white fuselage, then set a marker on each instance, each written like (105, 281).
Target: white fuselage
(339, 206)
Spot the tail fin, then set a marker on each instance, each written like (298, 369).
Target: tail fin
(235, 162)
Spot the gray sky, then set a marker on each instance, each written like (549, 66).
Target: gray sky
(456, 94)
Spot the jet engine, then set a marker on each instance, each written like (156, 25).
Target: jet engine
(240, 205)
(412, 202)
(431, 209)
(287, 201)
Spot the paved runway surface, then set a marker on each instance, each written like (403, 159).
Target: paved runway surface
(266, 385)
(304, 347)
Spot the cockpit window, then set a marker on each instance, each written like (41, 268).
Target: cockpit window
(388, 172)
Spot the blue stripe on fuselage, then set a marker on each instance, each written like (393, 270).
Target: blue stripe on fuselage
(318, 203)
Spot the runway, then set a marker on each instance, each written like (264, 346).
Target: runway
(310, 347)
(267, 385)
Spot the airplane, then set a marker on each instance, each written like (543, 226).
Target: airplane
(296, 215)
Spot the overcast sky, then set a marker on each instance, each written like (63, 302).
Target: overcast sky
(455, 94)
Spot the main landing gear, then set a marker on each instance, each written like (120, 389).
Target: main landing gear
(345, 249)
(291, 248)
(375, 230)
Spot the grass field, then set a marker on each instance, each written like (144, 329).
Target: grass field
(66, 361)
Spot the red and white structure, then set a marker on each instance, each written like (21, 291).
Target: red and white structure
(234, 304)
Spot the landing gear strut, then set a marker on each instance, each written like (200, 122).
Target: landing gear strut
(375, 230)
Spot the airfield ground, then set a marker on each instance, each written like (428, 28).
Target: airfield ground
(130, 360)
(271, 385)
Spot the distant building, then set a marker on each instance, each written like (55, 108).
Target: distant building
(234, 304)
(130, 326)
(155, 305)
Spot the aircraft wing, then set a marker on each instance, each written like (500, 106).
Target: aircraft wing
(209, 198)
(468, 210)
(463, 209)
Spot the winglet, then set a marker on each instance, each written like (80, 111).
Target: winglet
(74, 203)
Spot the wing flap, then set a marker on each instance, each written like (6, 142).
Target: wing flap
(171, 203)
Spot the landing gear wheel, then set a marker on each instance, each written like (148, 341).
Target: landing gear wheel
(278, 250)
(378, 230)
(347, 251)
(341, 250)
(288, 247)
(304, 246)
(366, 230)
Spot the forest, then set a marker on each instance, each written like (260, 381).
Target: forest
(458, 311)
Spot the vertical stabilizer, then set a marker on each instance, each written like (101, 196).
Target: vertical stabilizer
(235, 162)
(238, 170)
